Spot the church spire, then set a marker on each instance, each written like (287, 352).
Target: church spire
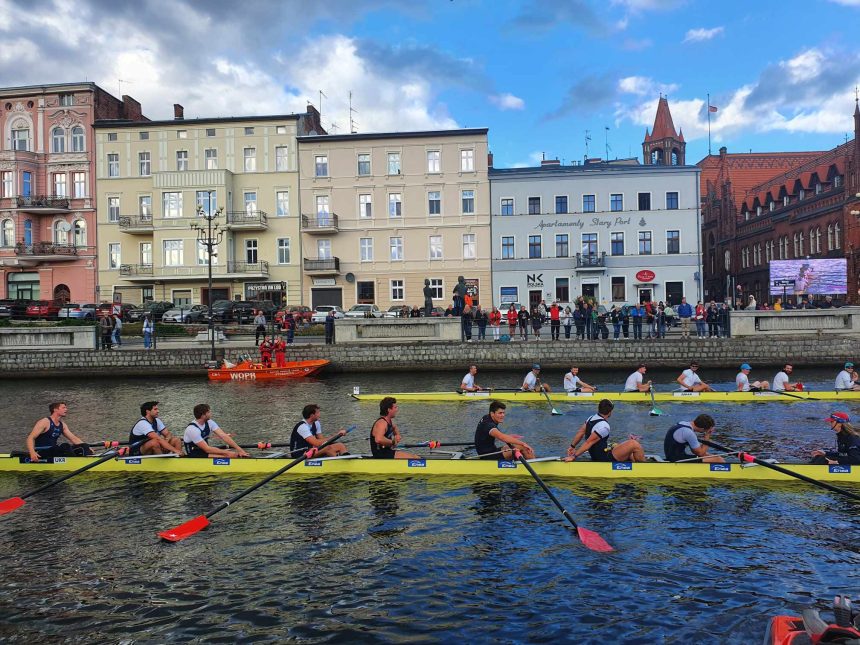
(664, 145)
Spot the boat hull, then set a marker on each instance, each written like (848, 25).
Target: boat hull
(257, 372)
(626, 397)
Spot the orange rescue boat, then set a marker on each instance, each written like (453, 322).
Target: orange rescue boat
(247, 370)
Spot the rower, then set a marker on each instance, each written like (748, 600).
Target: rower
(42, 440)
(308, 434)
(743, 381)
(572, 382)
(847, 378)
(635, 382)
(594, 434)
(196, 436)
(531, 379)
(683, 434)
(847, 443)
(488, 431)
(159, 440)
(781, 382)
(468, 384)
(384, 435)
(690, 381)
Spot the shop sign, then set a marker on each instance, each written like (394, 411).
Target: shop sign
(646, 275)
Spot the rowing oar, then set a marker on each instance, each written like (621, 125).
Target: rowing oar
(745, 456)
(435, 444)
(655, 411)
(9, 505)
(548, 400)
(590, 539)
(793, 396)
(189, 528)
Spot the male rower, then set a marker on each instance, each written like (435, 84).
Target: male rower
(690, 381)
(635, 381)
(158, 439)
(196, 436)
(681, 435)
(781, 381)
(530, 382)
(42, 440)
(594, 435)
(384, 435)
(488, 431)
(572, 382)
(308, 434)
(847, 378)
(743, 381)
(468, 383)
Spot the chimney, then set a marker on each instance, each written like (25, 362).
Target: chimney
(490, 159)
(723, 151)
(178, 112)
(131, 109)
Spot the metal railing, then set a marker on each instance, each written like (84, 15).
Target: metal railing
(45, 248)
(247, 217)
(195, 271)
(135, 221)
(596, 260)
(329, 264)
(135, 269)
(248, 267)
(42, 201)
(319, 221)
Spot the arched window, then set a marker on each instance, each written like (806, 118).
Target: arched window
(674, 157)
(802, 252)
(727, 259)
(58, 140)
(830, 237)
(7, 233)
(77, 139)
(837, 243)
(61, 236)
(80, 232)
(818, 239)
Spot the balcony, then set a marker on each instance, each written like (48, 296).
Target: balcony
(31, 255)
(136, 224)
(247, 220)
(42, 203)
(320, 223)
(591, 261)
(149, 273)
(321, 267)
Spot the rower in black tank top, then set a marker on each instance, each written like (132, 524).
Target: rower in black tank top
(382, 452)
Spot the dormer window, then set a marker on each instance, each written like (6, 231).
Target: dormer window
(785, 200)
(771, 205)
(746, 215)
(801, 194)
(757, 211)
(818, 189)
(837, 181)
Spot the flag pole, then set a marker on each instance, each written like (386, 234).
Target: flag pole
(709, 124)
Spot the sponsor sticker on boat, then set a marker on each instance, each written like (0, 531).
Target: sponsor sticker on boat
(622, 465)
(313, 462)
(221, 461)
(132, 461)
(243, 376)
(417, 463)
(682, 394)
(58, 460)
(507, 464)
(584, 395)
(721, 468)
(479, 394)
(840, 469)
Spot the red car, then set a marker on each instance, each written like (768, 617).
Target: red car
(47, 309)
(304, 313)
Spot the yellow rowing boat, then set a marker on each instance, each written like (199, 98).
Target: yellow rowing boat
(627, 397)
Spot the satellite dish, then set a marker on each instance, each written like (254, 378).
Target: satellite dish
(350, 277)
(65, 227)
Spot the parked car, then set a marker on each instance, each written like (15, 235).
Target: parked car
(319, 315)
(184, 314)
(17, 308)
(363, 311)
(393, 311)
(505, 307)
(435, 312)
(81, 312)
(5, 311)
(153, 308)
(266, 306)
(106, 308)
(305, 313)
(45, 309)
(240, 311)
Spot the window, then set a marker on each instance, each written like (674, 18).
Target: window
(560, 204)
(435, 247)
(616, 202)
(172, 253)
(171, 204)
(589, 244)
(616, 243)
(144, 164)
(507, 206)
(21, 139)
(434, 202)
(60, 184)
(61, 236)
(364, 165)
(144, 136)
(393, 163)
(588, 204)
(114, 255)
(6, 179)
(468, 198)
(58, 140)
(79, 184)
(786, 200)
(111, 136)
(395, 247)
(321, 166)
(210, 156)
(365, 206)
(324, 249)
(249, 132)
(508, 247)
(673, 242)
(80, 229)
(182, 134)
(644, 202)
(146, 253)
(771, 205)
(210, 132)
(618, 289)
(562, 246)
(394, 205)
(282, 203)
(534, 205)
(282, 158)
(182, 298)
(7, 231)
(113, 165)
(397, 290)
(250, 156)
(818, 189)
(364, 292)
(113, 209)
(562, 289)
(203, 254)
(78, 143)
(283, 250)
(250, 200)
(67, 100)
(28, 231)
(470, 246)
(672, 201)
(644, 242)
(434, 161)
(801, 194)
(26, 183)
(830, 237)
(207, 200)
(144, 206)
(837, 181)
(467, 160)
(251, 251)
(182, 160)
(837, 243)
(146, 293)
(436, 288)
(365, 249)
(534, 246)
(280, 129)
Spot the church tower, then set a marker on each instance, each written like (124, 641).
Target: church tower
(664, 146)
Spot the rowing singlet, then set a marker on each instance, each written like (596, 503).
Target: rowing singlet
(191, 448)
(599, 451)
(297, 441)
(134, 438)
(49, 438)
(675, 450)
(380, 452)
(484, 443)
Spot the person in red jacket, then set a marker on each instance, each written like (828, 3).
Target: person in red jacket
(266, 348)
(495, 319)
(280, 348)
(554, 320)
(512, 321)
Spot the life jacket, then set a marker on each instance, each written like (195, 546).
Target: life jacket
(191, 449)
(297, 441)
(48, 439)
(599, 451)
(382, 451)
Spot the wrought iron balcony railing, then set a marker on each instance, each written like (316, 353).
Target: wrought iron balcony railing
(42, 201)
(328, 264)
(591, 260)
(45, 248)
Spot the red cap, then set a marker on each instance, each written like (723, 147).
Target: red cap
(838, 417)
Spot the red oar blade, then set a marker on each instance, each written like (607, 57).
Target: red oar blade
(593, 541)
(185, 530)
(9, 505)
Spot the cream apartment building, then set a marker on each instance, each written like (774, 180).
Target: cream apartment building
(151, 178)
(382, 212)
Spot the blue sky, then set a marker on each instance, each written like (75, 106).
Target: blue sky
(538, 74)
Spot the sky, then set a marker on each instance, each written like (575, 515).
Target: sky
(542, 75)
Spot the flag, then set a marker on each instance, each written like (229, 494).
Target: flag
(712, 108)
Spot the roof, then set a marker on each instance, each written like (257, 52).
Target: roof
(123, 123)
(393, 135)
(664, 127)
(48, 88)
(539, 171)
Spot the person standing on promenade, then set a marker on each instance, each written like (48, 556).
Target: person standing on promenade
(308, 434)
(512, 321)
(637, 314)
(42, 440)
(699, 315)
(148, 328)
(635, 382)
(197, 433)
(847, 379)
(159, 440)
(683, 434)
(488, 431)
(384, 435)
(595, 435)
(537, 322)
(685, 313)
(290, 325)
(259, 326)
(481, 320)
(690, 381)
(523, 320)
(106, 329)
(495, 320)
(743, 382)
(329, 327)
(117, 330)
(567, 321)
(554, 321)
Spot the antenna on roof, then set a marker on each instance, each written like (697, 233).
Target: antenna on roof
(352, 123)
(322, 96)
(333, 127)
(587, 139)
(606, 133)
(119, 83)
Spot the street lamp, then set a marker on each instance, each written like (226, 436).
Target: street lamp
(210, 237)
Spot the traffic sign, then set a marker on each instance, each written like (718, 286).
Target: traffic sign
(783, 283)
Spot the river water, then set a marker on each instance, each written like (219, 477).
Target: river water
(346, 559)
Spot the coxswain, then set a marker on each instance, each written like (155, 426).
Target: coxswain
(572, 382)
(847, 378)
(266, 348)
(781, 381)
(42, 440)
(488, 431)
(743, 381)
(532, 382)
(384, 435)
(159, 440)
(594, 436)
(468, 384)
(308, 434)
(197, 433)
(690, 381)
(847, 443)
(681, 435)
(280, 349)
(635, 382)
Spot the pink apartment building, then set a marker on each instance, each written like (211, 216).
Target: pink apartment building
(47, 188)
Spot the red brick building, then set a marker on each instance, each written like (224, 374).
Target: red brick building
(760, 207)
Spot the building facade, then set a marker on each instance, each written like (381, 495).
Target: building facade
(383, 212)
(48, 189)
(155, 179)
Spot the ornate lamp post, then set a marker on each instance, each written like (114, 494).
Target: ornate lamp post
(210, 237)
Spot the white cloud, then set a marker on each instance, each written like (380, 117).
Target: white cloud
(648, 5)
(508, 102)
(847, 3)
(644, 86)
(701, 34)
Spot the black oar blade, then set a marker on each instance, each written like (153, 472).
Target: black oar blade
(185, 530)
(593, 540)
